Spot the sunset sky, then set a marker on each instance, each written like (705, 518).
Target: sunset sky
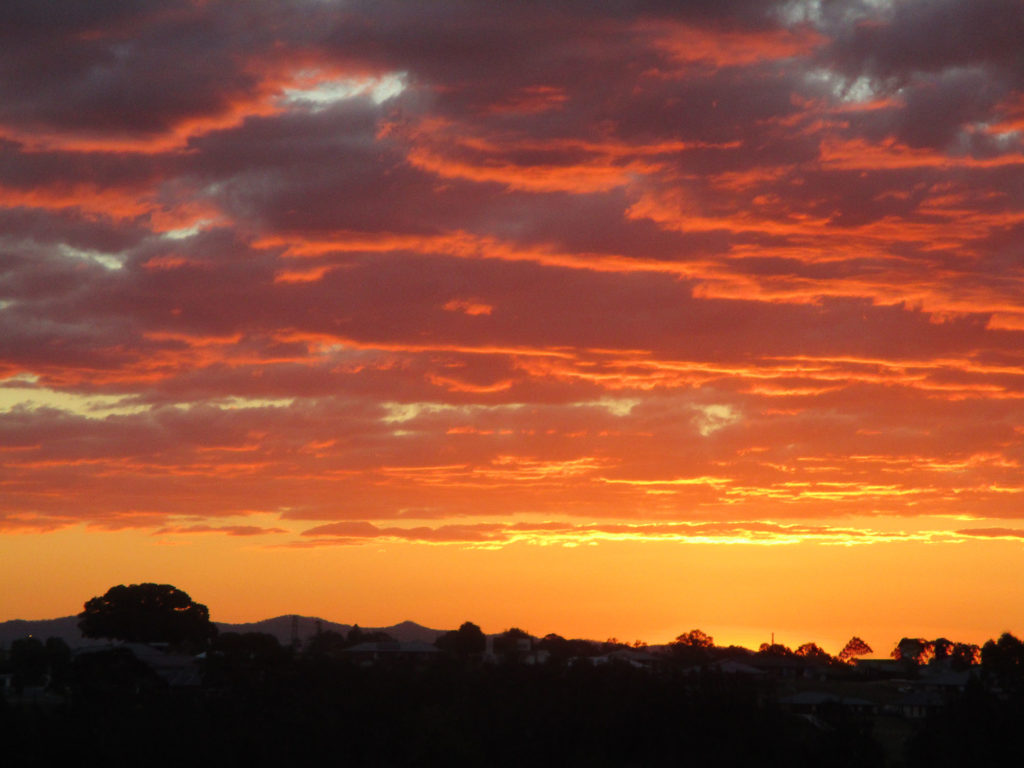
(603, 318)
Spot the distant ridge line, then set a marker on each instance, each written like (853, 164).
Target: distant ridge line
(66, 628)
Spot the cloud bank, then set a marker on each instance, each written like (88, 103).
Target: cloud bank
(669, 265)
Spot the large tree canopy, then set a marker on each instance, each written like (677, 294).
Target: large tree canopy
(695, 638)
(464, 641)
(147, 613)
(856, 647)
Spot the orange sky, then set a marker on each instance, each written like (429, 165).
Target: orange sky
(563, 316)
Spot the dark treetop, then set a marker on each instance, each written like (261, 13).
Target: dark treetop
(147, 613)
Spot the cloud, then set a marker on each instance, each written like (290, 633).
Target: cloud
(575, 534)
(993, 533)
(230, 530)
(675, 262)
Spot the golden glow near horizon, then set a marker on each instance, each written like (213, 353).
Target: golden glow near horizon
(683, 319)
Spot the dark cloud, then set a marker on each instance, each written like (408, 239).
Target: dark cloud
(934, 36)
(993, 533)
(390, 261)
(497, 534)
(230, 530)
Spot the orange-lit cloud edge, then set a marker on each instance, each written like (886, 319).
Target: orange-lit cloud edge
(349, 292)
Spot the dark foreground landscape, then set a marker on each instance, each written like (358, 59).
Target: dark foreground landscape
(256, 702)
(203, 697)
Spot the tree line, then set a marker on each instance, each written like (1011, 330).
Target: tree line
(162, 613)
(262, 702)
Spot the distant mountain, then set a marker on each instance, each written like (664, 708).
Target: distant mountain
(281, 627)
(411, 632)
(66, 629)
(306, 627)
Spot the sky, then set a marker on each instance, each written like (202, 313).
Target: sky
(605, 318)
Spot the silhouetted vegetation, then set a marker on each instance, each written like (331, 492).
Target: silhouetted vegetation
(814, 653)
(513, 700)
(262, 705)
(855, 647)
(147, 613)
(561, 650)
(775, 649)
(463, 642)
(33, 662)
(979, 727)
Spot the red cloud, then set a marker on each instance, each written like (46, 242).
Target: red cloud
(576, 262)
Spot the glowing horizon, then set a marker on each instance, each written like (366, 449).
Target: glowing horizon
(564, 296)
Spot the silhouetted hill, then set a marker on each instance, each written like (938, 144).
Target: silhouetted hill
(411, 632)
(281, 627)
(66, 628)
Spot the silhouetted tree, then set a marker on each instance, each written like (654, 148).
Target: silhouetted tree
(695, 638)
(942, 648)
(28, 661)
(855, 647)
(912, 650)
(556, 645)
(774, 649)
(732, 652)
(964, 655)
(464, 641)
(147, 613)
(812, 652)
(512, 644)
(693, 647)
(1003, 659)
(960, 656)
(562, 650)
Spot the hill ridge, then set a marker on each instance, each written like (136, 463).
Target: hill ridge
(66, 628)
